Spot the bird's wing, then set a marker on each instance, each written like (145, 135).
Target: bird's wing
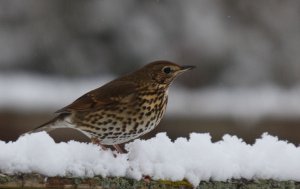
(112, 93)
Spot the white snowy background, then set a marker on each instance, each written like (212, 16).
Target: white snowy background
(33, 93)
(196, 158)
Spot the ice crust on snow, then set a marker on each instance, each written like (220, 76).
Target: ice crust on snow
(195, 159)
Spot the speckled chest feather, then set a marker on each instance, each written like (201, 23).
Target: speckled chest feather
(119, 123)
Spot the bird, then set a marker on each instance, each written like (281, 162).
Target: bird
(123, 109)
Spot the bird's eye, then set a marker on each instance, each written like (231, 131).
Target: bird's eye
(166, 70)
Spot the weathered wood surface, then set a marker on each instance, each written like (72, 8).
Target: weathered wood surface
(34, 181)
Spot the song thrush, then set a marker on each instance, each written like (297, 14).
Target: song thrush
(123, 109)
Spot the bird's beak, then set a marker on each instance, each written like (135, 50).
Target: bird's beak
(186, 68)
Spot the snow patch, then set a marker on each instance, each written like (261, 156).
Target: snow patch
(39, 153)
(195, 159)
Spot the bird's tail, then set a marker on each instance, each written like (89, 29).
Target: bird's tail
(60, 121)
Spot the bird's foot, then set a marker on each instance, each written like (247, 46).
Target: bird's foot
(98, 142)
(119, 148)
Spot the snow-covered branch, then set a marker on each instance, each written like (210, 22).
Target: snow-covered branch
(194, 159)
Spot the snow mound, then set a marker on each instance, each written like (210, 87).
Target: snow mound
(194, 159)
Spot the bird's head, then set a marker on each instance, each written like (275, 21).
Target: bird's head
(163, 72)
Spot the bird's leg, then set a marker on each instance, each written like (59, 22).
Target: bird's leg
(118, 148)
(98, 142)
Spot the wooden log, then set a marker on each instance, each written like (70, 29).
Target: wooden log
(31, 181)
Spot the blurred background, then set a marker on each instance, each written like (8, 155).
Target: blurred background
(247, 54)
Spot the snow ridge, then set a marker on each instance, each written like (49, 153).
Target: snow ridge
(195, 159)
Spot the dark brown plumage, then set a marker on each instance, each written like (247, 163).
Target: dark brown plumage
(123, 109)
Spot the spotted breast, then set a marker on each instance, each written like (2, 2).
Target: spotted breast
(123, 122)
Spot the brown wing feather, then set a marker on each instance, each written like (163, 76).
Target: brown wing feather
(113, 92)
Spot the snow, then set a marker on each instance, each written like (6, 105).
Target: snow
(240, 103)
(196, 158)
(27, 92)
(23, 92)
(39, 153)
